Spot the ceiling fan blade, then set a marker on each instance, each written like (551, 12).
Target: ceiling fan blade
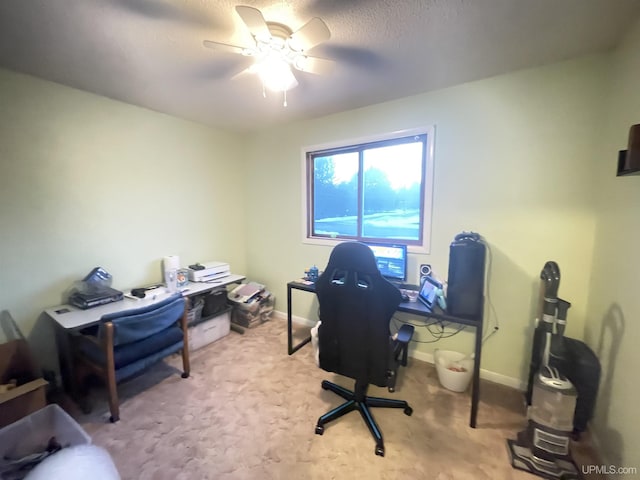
(354, 56)
(254, 20)
(319, 66)
(220, 70)
(243, 73)
(294, 82)
(312, 33)
(223, 47)
(156, 10)
(327, 8)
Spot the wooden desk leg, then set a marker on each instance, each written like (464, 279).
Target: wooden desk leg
(475, 394)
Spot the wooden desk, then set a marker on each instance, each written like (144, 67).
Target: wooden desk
(412, 308)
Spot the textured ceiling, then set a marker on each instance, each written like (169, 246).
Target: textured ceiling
(150, 53)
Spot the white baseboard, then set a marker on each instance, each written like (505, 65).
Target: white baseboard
(426, 357)
(296, 319)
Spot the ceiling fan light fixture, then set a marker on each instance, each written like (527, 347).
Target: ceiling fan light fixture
(276, 74)
(300, 62)
(277, 50)
(263, 37)
(294, 45)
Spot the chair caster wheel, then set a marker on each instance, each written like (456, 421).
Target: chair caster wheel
(391, 389)
(319, 429)
(325, 385)
(113, 419)
(380, 451)
(185, 375)
(408, 411)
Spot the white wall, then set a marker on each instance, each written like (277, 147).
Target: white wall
(613, 316)
(87, 181)
(513, 160)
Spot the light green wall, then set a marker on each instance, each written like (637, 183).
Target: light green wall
(513, 160)
(87, 181)
(526, 159)
(613, 318)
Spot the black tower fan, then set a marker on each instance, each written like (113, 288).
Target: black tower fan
(465, 290)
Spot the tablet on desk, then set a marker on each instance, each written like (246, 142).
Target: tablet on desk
(429, 291)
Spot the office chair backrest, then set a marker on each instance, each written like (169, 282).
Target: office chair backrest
(356, 305)
(133, 325)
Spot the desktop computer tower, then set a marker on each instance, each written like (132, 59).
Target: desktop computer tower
(465, 290)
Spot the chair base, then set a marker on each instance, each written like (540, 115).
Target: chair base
(357, 400)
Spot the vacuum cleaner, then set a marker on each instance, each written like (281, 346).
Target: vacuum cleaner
(543, 447)
(572, 357)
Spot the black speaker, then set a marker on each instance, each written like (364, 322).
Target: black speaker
(465, 290)
(425, 271)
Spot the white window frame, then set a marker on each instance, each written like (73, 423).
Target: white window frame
(427, 210)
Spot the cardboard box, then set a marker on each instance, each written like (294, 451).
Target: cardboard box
(16, 363)
(255, 312)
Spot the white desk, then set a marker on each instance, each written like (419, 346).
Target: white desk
(73, 318)
(68, 318)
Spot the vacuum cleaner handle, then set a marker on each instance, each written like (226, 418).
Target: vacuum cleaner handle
(550, 275)
(563, 309)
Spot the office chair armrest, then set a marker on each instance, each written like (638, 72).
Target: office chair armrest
(405, 333)
(402, 343)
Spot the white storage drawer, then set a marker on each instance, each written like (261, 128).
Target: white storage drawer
(209, 330)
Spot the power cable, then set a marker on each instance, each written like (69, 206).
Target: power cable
(487, 283)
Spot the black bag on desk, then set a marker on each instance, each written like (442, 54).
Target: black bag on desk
(214, 303)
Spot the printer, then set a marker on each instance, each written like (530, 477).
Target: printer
(208, 271)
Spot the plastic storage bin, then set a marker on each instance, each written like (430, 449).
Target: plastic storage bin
(209, 330)
(32, 433)
(194, 314)
(456, 381)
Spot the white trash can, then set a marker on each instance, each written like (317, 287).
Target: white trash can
(454, 369)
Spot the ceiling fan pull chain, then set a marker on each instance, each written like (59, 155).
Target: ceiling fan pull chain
(264, 91)
(285, 98)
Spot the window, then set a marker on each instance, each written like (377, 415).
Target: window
(378, 189)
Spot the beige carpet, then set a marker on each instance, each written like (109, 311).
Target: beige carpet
(248, 411)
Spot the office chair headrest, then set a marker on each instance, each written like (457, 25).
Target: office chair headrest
(354, 256)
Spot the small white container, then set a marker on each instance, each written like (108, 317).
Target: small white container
(171, 280)
(456, 381)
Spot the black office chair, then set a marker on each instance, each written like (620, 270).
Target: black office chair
(356, 305)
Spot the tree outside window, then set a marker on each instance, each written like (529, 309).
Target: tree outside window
(373, 191)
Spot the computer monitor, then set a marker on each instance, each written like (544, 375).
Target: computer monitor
(391, 260)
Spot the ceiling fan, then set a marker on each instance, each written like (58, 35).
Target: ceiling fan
(277, 49)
